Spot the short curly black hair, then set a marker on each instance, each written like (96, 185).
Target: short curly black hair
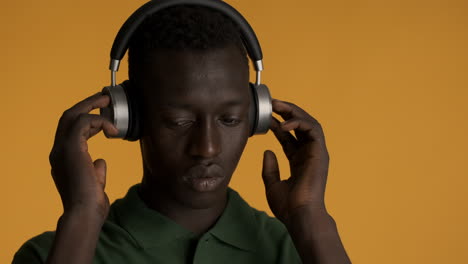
(182, 27)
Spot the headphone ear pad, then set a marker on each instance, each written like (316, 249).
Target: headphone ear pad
(253, 109)
(134, 122)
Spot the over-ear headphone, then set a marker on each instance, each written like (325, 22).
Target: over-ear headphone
(123, 109)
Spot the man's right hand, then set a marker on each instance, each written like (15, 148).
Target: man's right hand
(78, 179)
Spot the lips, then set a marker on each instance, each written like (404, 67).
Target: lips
(202, 171)
(201, 178)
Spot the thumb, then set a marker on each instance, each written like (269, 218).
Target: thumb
(100, 168)
(270, 170)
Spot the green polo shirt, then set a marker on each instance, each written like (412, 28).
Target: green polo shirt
(134, 233)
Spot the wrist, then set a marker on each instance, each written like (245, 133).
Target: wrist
(76, 237)
(84, 215)
(308, 219)
(315, 236)
(310, 211)
(87, 209)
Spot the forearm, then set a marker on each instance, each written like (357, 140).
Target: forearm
(316, 238)
(75, 238)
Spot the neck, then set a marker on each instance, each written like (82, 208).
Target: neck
(156, 197)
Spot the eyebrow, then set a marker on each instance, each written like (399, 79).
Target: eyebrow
(230, 103)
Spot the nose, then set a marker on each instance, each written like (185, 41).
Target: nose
(205, 141)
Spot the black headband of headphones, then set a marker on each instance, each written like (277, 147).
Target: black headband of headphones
(125, 116)
(122, 39)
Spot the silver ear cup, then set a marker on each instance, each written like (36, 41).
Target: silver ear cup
(117, 110)
(264, 109)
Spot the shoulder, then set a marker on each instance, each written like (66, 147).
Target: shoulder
(271, 226)
(35, 250)
(274, 236)
(266, 225)
(273, 239)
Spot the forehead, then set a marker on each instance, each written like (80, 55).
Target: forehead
(202, 78)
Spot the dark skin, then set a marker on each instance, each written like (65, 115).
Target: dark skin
(212, 131)
(205, 138)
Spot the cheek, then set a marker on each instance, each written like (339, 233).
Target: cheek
(160, 152)
(233, 147)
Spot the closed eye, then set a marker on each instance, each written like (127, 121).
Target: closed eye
(231, 121)
(181, 123)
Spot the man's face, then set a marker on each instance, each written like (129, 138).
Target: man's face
(196, 122)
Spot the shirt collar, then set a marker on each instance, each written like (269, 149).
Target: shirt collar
(237, 225)
(148, 227)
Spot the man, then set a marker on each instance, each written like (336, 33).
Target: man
(190, 71)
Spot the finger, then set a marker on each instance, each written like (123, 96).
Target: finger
(286, 139)
(304, 129)
(270, 170)
(101, 171)
(88, 125)
(287, 110)
(309, 128)
(98, 100)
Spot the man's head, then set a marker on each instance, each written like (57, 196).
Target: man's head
(191, 69)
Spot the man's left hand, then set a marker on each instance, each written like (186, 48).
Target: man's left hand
(308, 158)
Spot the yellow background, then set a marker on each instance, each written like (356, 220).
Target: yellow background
(387, 80)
